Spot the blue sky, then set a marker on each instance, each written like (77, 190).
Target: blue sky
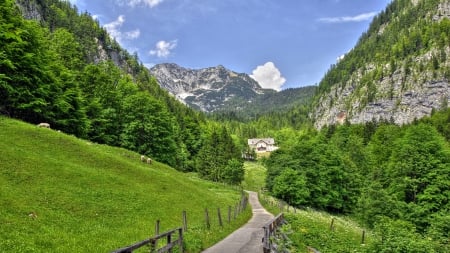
(280, 43)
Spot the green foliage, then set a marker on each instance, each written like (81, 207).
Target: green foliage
(271, 103)
(219, 158)
(234, 172)
(312, 229)
(373, 171)
(400, 236)
(291, 186)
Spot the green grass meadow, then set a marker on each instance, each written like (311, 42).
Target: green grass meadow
(63, 194)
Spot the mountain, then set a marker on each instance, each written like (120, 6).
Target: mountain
(398, 71)
(207, 89)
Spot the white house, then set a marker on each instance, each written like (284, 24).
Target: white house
(262, 144)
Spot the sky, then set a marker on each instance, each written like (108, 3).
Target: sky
(280, 43)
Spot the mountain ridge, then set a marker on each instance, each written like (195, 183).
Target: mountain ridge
(206, 89)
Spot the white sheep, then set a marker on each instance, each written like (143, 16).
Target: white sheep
(149, 160)
(44, 125)
(143, 158)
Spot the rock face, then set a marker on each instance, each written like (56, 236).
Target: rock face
(206, 89)
(414, 103)
(399, 91)
(29, 9)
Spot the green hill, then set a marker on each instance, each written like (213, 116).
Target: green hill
(60, 194)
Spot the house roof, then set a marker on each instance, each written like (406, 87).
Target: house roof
(269, 141)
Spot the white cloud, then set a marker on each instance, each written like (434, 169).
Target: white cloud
(113, 29)
(131, 35)
(346, 19)
(133, 3)
(268, 76)
(340, 58)
(163, 48)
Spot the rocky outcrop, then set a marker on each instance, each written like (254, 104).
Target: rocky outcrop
(29, 9)
(400, 98)
(399, 91)
(206, 89)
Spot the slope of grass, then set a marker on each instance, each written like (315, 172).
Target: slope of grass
(63, 194)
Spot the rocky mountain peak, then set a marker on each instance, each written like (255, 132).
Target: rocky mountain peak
(206, 89)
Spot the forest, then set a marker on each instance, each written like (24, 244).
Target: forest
(62, 67)
(381, 174)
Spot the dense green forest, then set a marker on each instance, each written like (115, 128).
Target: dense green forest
(61, 67)
(383, 174)
(270, 104)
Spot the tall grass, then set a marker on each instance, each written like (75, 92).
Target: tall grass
(63, 194)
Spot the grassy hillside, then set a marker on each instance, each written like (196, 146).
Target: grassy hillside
(63, 194)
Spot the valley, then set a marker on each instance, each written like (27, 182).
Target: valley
(366, 149)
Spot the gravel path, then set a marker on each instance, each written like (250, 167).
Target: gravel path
(248, 238)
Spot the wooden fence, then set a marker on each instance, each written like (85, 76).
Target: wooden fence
(270, 232)
(284, 207)
(153, 243)
(170, 243)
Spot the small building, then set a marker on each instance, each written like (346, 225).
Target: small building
(262, 145)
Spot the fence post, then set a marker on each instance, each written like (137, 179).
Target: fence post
(363, 237)
(208, 224)
(180, 237)
(332, 224)
(235, 211)
(169, 240)
(229, 214)
(157, 227)
(185, 221)
(219, 216)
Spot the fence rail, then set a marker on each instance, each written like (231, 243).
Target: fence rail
(153, 243)
(270, 230)
(284, 207)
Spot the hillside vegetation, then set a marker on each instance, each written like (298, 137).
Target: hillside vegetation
(393, 179)
(63, 194)
(308, 227)
(398, 70)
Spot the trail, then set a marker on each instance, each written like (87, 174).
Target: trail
(248, 238)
